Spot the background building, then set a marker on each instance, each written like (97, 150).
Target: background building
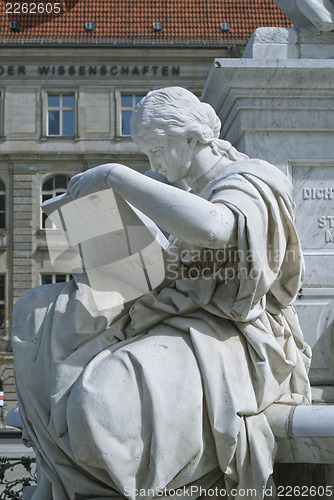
(71, 73)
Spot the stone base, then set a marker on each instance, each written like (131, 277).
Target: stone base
(290, 43)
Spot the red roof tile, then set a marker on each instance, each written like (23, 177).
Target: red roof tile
(131, 21)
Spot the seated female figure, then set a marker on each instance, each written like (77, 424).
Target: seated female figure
(171, 392)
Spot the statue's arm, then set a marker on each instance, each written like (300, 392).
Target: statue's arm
(182, 214)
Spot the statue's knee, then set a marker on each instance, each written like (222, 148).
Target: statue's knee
(104, 395)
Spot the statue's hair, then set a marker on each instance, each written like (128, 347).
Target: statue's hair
(174, 111)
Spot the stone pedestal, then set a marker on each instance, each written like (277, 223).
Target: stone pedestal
(290, 43)
(283, 111)
(277, 103)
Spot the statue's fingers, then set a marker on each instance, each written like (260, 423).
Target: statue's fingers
(75, 186)
(75, 191)
(72, 182)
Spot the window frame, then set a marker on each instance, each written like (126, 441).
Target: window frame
(2, 112)
(119, 108)
(45, 112)
(53, 191)
(5, 211)
(3, 304)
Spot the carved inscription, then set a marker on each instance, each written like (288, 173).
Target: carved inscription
(324, 221)
(318, 193)
(313, 189)
(111, 70)
(329, 236)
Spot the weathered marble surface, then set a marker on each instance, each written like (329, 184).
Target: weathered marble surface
(290, 43)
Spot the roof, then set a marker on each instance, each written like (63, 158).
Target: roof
(131, 21)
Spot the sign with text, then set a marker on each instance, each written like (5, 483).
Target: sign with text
(314, 197)
(92, 70)
(313, 189)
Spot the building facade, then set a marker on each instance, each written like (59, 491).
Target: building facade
(64, 111)
(68, 84)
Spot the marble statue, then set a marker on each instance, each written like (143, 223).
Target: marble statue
(305, 13)
(167, 395)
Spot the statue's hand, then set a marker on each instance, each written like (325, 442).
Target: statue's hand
(89, 182)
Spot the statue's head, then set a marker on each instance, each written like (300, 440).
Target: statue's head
(175, 112)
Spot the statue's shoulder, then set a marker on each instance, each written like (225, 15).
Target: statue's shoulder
(265, 172)
(254, 166)
(247, 175)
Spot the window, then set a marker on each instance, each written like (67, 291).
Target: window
(47, 279)
(2, 205)
(53, 186)
(61, 115)
(128, 103)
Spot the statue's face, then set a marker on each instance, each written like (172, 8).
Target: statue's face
(171, 156)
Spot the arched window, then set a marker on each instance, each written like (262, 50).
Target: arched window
(53, 186)
(2, 205)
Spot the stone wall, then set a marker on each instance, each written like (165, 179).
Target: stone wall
(22, 234)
